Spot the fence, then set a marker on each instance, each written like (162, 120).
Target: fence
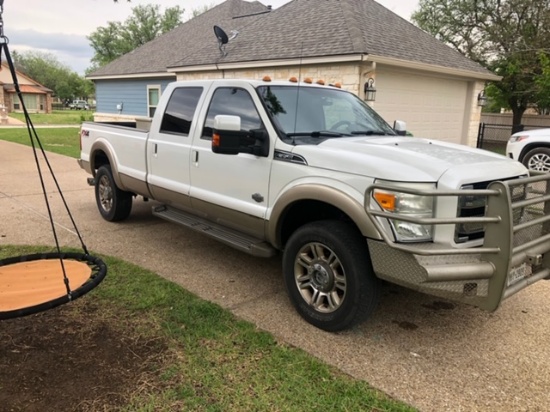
(495, 129)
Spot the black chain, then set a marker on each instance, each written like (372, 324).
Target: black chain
(3, 39)
(1, 19)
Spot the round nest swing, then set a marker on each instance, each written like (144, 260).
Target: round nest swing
(33, 283)
(37, 282)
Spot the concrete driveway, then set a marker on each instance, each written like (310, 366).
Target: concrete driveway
(431, 354)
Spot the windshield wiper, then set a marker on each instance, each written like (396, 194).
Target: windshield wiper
(320, 133)
(370, 132)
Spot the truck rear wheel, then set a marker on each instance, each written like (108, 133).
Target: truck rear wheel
(114, 204)
(329, 276)
(538, 159)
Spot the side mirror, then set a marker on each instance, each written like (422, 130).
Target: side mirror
(227, 138)
(400, 127)
(227, 134)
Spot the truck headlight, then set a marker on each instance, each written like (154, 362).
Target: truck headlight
(407, 205)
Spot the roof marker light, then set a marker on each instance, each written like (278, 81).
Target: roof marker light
(308, 80)
(266, 78)
(293, 80)
(321, 82)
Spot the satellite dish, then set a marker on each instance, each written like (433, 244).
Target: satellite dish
(222, 37)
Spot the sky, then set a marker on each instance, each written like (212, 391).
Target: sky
(60, 27)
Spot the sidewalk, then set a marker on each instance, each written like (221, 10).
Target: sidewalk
(434, 355)
(12, 122)
(17, 124)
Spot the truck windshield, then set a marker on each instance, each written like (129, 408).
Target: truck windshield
(305, 115)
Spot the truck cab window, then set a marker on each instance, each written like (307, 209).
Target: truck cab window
(181, 108)
(235, 102)
(310, 110)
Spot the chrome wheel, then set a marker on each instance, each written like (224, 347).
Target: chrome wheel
(329, 276)
(105, 193)
(320, 277)
(539, 161)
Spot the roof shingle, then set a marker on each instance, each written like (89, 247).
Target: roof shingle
(299, 29)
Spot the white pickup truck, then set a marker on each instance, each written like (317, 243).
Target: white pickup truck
(314, 172)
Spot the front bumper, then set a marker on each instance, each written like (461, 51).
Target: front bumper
(514, 253)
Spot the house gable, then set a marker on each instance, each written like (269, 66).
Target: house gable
(155, 56)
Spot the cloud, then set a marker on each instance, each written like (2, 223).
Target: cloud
(70, 49)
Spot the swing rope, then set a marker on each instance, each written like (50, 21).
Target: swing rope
(98, 267)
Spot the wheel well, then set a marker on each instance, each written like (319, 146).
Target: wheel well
(306, 211)
(530, 147)
(99, 159)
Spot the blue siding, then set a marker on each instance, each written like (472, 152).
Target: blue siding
(131, 93)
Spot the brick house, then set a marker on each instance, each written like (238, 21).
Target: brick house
(37, 98)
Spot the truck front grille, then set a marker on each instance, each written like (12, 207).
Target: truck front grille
(475, 206)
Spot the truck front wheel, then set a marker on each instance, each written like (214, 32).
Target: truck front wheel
(113, 204)
(329, 276)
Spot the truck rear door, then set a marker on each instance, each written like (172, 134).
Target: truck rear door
(168, 147)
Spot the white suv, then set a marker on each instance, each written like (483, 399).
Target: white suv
(532, 148)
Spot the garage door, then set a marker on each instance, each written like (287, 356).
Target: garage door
(432, 107)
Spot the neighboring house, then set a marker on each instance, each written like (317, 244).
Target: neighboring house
(417, 78)
(37, 98)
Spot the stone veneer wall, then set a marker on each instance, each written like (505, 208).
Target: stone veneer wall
(348, 75)
(475, 115)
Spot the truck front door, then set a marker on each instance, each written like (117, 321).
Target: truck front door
(230, 189)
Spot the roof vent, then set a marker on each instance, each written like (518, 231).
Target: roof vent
(223, 39)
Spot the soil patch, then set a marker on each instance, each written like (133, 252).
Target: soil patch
(77, 357)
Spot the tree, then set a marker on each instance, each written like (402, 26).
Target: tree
(48, 71)
(506, 36)
(542, 81)
(145, 24)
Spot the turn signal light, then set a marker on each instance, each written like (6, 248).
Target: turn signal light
(385, 200)
(215, 139)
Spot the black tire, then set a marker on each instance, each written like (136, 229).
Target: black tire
(114, 204)
(328, 263)
(537, 159)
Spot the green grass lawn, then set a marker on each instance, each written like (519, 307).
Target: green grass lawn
(215, 361)
(63, 117)
(65, 141)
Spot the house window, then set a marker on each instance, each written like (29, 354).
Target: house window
(30, 100)
(153, 97)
